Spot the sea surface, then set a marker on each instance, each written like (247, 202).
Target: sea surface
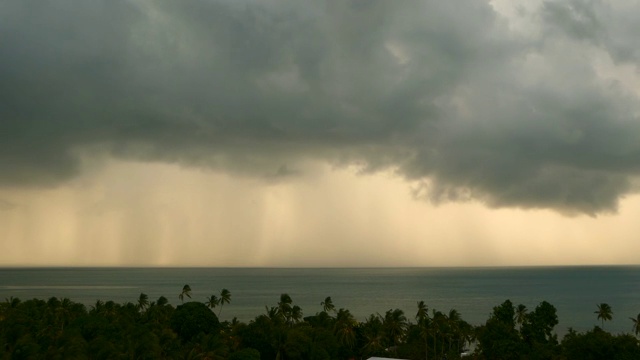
(574, 291)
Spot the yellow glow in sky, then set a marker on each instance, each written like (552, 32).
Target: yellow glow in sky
(145, 214)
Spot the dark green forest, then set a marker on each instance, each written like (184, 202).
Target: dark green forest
(145, 329)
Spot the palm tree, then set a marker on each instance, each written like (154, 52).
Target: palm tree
(296, 314)
(604, 313)
(63, 311)
(225, 297)
(437, 325)
(422, 316)
(12, 302)
(423, 312)
(97, 308)
(186, 291)
(636, 324)
(466, 333)
(395, 324)
(143, 301)
(453, 321)
(327, 305)
(284, 307)
(521, 314)
(272, 313)
(212, 301)
(373, 334)
(345, 328)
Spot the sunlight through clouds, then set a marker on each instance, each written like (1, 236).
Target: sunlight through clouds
(159, 214)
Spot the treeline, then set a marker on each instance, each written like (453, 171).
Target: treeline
(63, 329)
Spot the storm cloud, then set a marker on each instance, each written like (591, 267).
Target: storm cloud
(448, 94)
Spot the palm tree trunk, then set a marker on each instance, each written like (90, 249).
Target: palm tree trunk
(426, 350)
(435, 354)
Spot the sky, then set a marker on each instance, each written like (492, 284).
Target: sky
(319, 134)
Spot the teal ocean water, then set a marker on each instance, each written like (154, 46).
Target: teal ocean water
(574, 291)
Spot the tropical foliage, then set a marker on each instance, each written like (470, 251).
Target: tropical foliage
(636, 324)
(604, 312)
(144, 329)
(186, 291)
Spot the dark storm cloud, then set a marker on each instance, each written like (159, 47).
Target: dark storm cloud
(436, 90)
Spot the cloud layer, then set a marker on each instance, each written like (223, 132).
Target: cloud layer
(460, 97)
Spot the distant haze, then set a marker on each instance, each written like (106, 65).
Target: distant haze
(325, 133)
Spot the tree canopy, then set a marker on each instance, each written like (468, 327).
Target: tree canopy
(144, 329)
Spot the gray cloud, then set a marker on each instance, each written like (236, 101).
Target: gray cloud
(608, 25)
(435, 90)
(578, 19)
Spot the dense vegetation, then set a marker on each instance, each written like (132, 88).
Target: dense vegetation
(63, 329)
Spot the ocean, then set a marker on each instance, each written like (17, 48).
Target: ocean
(574, 291)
